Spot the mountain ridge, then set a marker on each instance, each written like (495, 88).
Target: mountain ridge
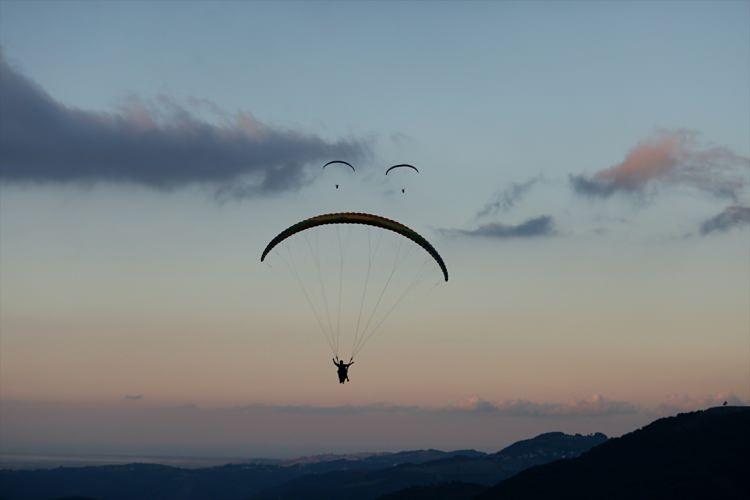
(689, 455)
(700, 454)
(257, 479)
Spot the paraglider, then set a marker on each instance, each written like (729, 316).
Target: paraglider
(343, 369)
(402, 165)
(340, 162)
(319, 249)
(358, 218)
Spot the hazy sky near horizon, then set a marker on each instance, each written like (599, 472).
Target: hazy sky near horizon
(584, 172)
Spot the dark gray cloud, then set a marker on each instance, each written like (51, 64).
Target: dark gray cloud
(132, 397)
(729, 218)
(506, 199)
(670, 157)
(538, 226)
(591, 187)
(161, 144)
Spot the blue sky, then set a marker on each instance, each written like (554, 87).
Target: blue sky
(119, 284)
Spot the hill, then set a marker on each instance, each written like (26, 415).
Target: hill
(349, 476)
(482, 470)
(233, 481)
(692, 455)
(702, 454)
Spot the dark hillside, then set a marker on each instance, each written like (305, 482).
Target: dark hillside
(702, 454)
(477, 470)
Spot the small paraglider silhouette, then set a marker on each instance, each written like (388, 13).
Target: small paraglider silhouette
(340, 162)
(402, 165)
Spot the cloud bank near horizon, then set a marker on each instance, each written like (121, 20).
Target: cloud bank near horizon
(161, 144)
(594, 406)
(143, 427)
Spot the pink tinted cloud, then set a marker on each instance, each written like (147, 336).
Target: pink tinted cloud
(652, 159)
(670, 157)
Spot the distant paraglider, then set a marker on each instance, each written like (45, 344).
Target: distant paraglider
(340, 162)
(402, 165)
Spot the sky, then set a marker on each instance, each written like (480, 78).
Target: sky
(583, 171)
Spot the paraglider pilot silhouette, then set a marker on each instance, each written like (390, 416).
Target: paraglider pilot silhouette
(358, 219)
(343, 369)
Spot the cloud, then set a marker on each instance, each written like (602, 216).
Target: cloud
(595, 406)
(670, 157)
(328, 410)
(400, 139)
(591, 187)
(729, 218)
(537, 226)
(477, 404)
(506, 199)
(160, 144)
(121, 427)
(132, 397)
(273, 430)
(676, 403)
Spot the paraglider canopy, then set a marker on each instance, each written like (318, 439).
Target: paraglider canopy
(353, 270)
(358, 218)
(402, 165)
(341, 163)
